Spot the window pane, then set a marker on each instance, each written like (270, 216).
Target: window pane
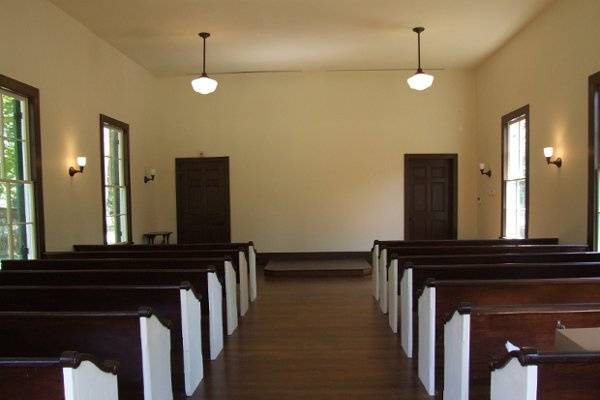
(13, 111)
(4, 240)
(20, 242)
(516, 150)
(116, 191)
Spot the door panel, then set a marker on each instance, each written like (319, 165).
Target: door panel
(430, 193)
(203, 199)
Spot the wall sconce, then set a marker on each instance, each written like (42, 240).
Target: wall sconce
(483, 171)
(548, 153)
(152, 174)
(81, 162)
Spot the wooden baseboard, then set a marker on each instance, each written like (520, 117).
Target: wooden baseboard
(263, 258)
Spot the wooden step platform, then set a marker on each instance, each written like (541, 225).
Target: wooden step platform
(317, 265)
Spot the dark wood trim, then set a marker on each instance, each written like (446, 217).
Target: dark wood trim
(522, 111)
(453, 158)
(125, 127)
(35, 151)
(593, 143)
(68, 359)
(315, 255)
(530, 356)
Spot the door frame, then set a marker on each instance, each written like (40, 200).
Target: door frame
(453, 159)
(227, 182)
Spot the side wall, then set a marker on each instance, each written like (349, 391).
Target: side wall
(79, 76)
(316, 159)
(546, 66)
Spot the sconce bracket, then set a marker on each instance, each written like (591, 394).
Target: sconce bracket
(73, 171)
(146, 179)
(488, 172)
(557, 162)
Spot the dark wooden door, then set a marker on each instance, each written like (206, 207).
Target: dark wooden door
(203, 200)
(430, 189)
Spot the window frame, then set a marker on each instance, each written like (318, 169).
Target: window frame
(505, 120)
(106, 120)
(593, 157)
(32, 95)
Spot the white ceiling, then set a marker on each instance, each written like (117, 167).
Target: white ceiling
(161, 35)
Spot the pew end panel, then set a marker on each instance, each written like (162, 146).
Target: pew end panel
(244, 293)
(252, 269)
(375, 270)
(215, 304)
(231, 298)
(427, 335)
(156, 358)
(530, 375)
(382, 279)
(406, 311)
(191, 332)
(72, 376)
(457, 351)
(393, 296)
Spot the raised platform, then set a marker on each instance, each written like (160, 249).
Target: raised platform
(317, 265)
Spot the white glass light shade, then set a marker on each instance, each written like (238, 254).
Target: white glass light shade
(548, 152)
(152, 171)
(420, 81)
(81, 161)
(481, 166)
(204, 85)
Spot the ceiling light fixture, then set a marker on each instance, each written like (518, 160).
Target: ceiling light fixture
(420, 80)
(204, 84)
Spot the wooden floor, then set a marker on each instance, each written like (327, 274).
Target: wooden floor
(312, 338)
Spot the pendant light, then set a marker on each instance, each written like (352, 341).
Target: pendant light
(420, 80)
(204, 84)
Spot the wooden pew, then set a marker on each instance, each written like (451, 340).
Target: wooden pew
(379, 244)
(415, 276)
(398, 264)
(203, 282)
(177, 303)
(214, 267)
(529, 374)
(234, 258)
(248, 248)
(449, 250)
(70, 376)
(441, 297)
(473, 333)
(138, 340)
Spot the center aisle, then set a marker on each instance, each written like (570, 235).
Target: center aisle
(312, 338)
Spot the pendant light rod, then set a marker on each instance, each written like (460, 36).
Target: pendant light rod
(418, 30)
(204, 36)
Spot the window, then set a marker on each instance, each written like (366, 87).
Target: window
(115, 180)
(594, 163)
(21, 215)
(515, 163)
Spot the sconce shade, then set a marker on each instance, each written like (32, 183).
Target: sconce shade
(420, 81)
(152, 171)
(548, 152)
(204, 85)
(81, 161)
(481, 166)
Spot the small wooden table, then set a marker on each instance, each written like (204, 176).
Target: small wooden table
(150, 236)
(577, 339)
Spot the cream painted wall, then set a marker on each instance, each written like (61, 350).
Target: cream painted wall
(547, 66)
(317, 158)
(79, 77)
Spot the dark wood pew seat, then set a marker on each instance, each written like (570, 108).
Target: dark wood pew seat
(180, 304)
(385, 253)
(488, 329)
(51, 378)
(202, 281)
(247, 247)
(441, 297)
(530, 374)
(138, 340)
(233, 261)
